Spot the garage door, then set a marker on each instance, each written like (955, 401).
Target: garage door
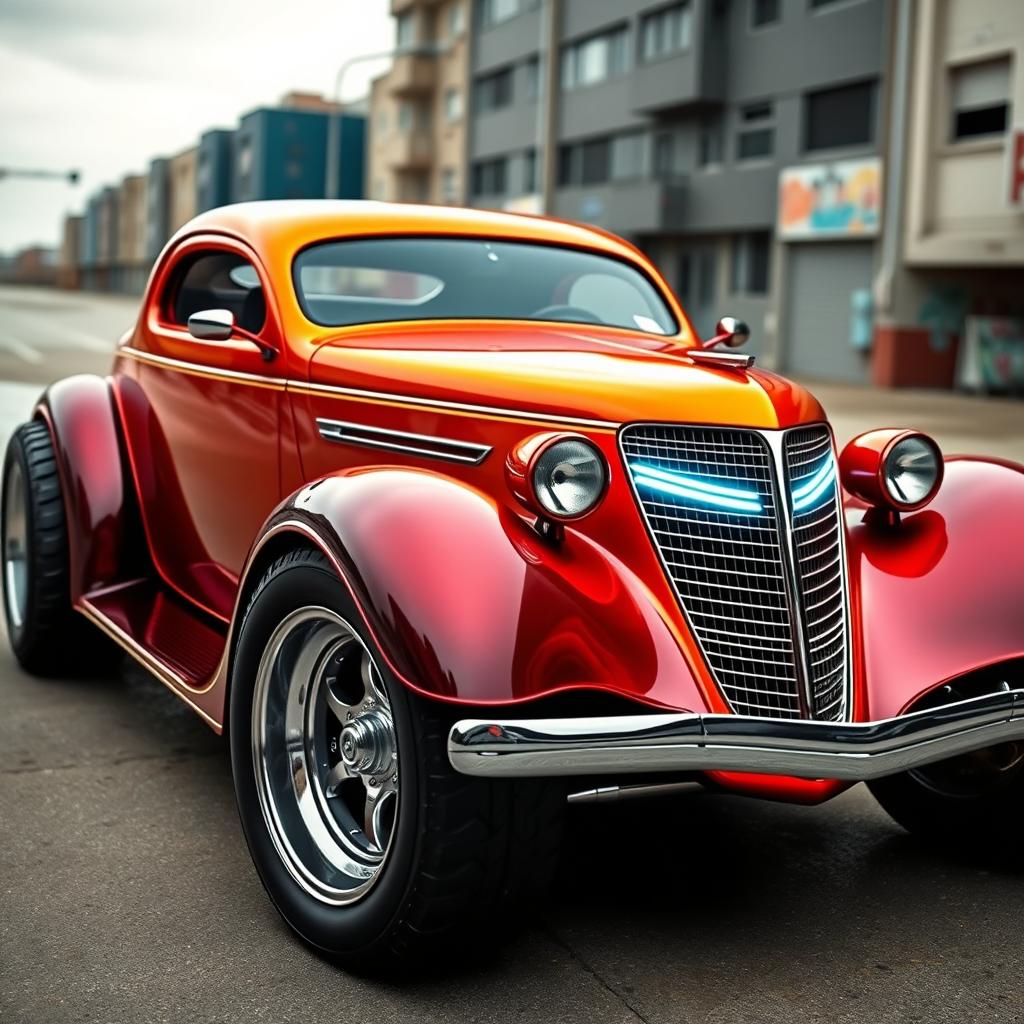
(822, 279)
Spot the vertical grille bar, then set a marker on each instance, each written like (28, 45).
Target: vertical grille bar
(732, 549)
(820, 561)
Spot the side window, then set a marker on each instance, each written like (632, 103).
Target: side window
(216, 280)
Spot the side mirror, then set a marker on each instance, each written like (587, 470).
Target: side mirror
(212, 324)
(729, 332)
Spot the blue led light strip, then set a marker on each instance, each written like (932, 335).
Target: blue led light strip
(811, 490)
(681, 485)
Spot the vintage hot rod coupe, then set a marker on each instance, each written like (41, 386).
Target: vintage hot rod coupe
(443, 516)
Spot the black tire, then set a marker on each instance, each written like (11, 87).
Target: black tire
(47, 636)
(461, 849)
(986, 823)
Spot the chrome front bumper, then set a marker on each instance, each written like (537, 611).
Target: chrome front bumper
(505, 748)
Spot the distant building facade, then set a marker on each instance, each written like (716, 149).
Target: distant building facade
(157, 210)
(181, 188)
(69, 268)
(213, 171)
(132, 266)
(418, 109)
(281, 152)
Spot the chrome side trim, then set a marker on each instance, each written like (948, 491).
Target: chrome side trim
(198, 369)
(854, 752)
(427, 445)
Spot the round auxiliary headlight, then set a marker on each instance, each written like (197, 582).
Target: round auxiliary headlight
(569, 478)
(912, 471)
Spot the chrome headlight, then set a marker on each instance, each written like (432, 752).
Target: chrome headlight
(569, 478)
(912, 471)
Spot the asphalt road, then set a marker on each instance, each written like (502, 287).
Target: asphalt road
(126, 893)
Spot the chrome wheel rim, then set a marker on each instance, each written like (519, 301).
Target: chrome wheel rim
(15, 547)
(325, 755)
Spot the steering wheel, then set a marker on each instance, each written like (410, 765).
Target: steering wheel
(571, 314)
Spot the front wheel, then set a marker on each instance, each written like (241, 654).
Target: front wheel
(973, 803)
(371, 847)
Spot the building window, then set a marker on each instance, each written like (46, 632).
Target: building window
(756, 138)
(380, 189)
(449, 185)
(595, 59)
(494, 91)
(405, 30)
(494, 12)
(530, 171)
(709, 145)
(665, 32)
(980, 95)
(452, 105)
(531, 75)
(751, 263)
(490, 177)
(456, 20)
(834, 118)
(382, 123)
(405, 118)
(668, 157)
(629, 156)
(763, 13)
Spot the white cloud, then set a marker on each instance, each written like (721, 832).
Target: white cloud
(104, 86)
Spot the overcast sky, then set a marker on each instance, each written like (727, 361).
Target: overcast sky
(105, 85)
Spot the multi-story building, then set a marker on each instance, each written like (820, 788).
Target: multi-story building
(736, 142)
(182, 188)
(417, 147)
(106, 239)
(282, 152)
(131, 263)
(157, 231)
(213, 174)
(69, 268)
(951, 284)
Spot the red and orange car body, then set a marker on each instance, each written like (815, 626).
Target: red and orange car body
(194, 464)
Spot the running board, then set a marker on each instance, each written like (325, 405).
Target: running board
(178, 644)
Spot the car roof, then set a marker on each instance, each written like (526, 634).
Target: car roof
(284, 226)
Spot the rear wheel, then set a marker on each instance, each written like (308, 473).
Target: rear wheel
(47, 636)
(371, 847)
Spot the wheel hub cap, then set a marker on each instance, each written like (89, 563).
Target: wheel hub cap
(367, 744)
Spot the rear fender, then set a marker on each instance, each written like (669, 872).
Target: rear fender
(100, 506)
(469, 604)
(941, 593)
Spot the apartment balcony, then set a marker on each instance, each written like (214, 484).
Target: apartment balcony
(399, 6)
(413, 151)
(675, 83)
(412, 74)
(629, 208)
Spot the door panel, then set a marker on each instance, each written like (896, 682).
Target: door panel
(202, 422)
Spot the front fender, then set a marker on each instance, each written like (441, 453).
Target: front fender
(99, 505)
(470, 605)
(941, 593)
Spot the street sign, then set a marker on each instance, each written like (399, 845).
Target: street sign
(1015, 167)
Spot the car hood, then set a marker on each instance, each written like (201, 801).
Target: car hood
(580, 373)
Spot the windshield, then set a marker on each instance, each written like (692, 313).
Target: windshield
(385, 279)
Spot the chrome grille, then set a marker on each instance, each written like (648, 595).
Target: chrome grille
(758, 588)
(821, 573)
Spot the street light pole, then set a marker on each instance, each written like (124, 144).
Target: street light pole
(71, 177)
(334, 118)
